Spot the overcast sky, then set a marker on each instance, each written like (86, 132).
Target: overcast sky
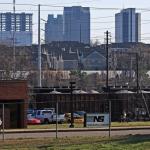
(101, 19)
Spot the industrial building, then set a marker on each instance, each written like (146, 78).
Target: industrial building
(13, 103)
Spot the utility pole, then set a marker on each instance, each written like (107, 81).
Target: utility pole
(107, 77)
(80, 31)
(107, 59)
(80, 61)
(137, 72)
(39, 48)
(14, 47)
(130, 80)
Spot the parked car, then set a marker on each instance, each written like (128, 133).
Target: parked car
(30, 111)
(77, 118)
(81, 113)
(60, 118)
(32, 121)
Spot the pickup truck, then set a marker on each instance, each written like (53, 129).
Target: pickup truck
(49, 116)
(44, 115)
(60, 118)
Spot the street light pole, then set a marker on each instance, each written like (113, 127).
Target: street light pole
(39, 48)
(14, 29)
(137, 72)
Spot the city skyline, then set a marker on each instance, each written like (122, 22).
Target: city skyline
(101, 19)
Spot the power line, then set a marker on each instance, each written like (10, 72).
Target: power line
(53, 5)
(62, 6)
(19, 4)
(74, 2)
(104, 17)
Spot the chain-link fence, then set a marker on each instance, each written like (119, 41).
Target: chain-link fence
(58, 111)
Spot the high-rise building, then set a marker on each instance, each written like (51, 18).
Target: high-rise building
(77, 24)
(127, 26)
(16, 28)
(54, 29)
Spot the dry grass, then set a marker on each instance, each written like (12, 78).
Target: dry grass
(113, 124)
(130, 124)
(137, 142)
(53, 126)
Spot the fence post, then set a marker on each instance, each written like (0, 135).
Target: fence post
(85, 116)
(56, 119)
(3, 122)
(109, 117)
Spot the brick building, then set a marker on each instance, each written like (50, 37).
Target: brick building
(13, 94)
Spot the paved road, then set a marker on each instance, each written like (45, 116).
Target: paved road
(76, 133)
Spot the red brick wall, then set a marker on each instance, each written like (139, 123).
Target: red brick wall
(12, 91)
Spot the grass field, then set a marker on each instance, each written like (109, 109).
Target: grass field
(130, 124)
(136, 142)
(53, 126)
(114, 124)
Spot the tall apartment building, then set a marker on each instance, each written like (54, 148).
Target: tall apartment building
(54, 29)
(127, 26)
(77, 24)
(73, 25)
(16, 28)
